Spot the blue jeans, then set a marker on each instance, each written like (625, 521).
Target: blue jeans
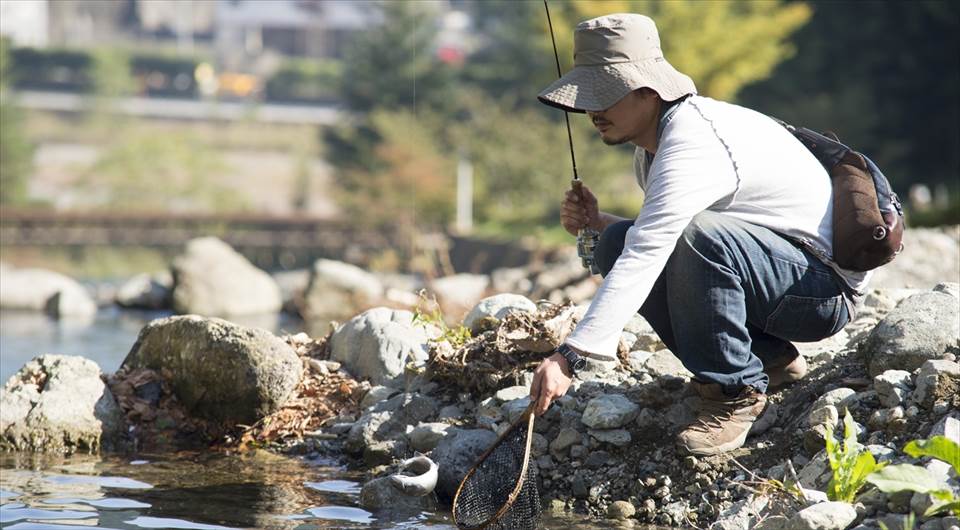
(732, 296)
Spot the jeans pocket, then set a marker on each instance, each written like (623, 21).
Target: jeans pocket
(807, 319)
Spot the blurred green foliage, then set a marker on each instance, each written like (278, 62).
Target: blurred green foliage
(416, 115)
(16, 151)
(885, 77)
(142, 171)
(303, 80)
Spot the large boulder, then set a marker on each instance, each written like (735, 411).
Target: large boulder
(455, 455)
(146, 291)
(212, 279)
(59, 403)
(377, 344)
(38, 290)
(219, 370)
(460, 292)
(922, 327)
(494, 308)
(337, 290)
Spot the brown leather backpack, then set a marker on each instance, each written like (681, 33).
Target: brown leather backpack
(867, 215)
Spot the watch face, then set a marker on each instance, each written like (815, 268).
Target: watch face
(579, 364)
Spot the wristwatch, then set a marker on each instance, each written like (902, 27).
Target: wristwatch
(575, 361)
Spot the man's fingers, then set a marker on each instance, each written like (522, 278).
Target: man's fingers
(535, 385)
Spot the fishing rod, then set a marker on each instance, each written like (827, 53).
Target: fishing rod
(587, 238)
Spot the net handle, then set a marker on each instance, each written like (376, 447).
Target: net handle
(528, 417)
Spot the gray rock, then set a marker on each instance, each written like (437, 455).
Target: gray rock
(489, 409)
(813, 470)
(827, 415)
(565, 438)
(369, 429)
(823, 516)
(376, 344)
(408, 408)
(426, 436)
(617, 437)
(71, 303)
(379, 495)
(32, 289)
(455, 455)
(512, 410)
(922, 327)
(538, 445)
(219, 370)
(951, 288)
(450, 412)
(337, 290)
(638, 325)
(212, 279)
(511, 393)
(146, 291)
(495, 308)
(838, 397)
(664, 362)
(511, 280)
(460, 290)
(936, 378)
(773, 522)
(892, 387)
(948, 426)
(742, 515)
(609, 411)
(71, 409)
(766, 420)
(621, 510)
(377, 394)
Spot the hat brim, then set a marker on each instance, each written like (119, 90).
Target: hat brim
(597, 88)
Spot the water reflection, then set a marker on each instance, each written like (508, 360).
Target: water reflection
(194, 491)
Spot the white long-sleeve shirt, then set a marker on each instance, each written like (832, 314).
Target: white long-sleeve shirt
(720, 157)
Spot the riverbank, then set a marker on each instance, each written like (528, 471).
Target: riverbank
(392, 381)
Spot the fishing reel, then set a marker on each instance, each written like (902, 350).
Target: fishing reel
(587, 241)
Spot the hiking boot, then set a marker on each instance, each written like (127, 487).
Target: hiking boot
(793, 368)
(723, 422)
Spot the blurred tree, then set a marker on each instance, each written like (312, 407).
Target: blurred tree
(489, 111)
(885, 77)
(16, 151)
(393, 65)
(406, 181)
(721, 45)
(111, 80)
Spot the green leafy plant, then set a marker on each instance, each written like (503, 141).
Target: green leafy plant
(909, 523)
(850, 463)
(457, 336)
(909, 477)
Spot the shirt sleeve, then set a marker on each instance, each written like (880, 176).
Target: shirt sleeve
(692, 171)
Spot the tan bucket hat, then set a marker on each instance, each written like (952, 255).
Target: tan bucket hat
(613, 55)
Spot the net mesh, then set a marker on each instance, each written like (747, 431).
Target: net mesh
(487, 490)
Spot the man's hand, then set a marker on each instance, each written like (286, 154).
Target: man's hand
(580, 210)
(550, 381)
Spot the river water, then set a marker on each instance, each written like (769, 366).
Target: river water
(202, 491)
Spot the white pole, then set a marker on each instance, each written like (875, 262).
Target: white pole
(464, 196)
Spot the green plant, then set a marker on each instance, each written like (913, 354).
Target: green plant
(909, 477)
(850, 463)
(457, 336)
(909, 523)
